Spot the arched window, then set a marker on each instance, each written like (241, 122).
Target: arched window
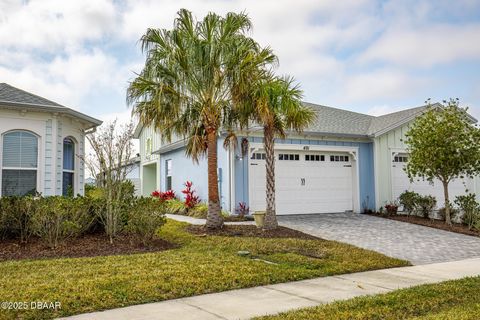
(68, 167)
(19, 163)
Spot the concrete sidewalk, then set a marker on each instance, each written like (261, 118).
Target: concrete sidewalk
(272, 299)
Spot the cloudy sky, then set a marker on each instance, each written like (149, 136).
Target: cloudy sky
(362, 55)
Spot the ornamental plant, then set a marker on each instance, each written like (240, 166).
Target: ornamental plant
(443, 144)
(191, 199)
(164, 196)
(242, 210)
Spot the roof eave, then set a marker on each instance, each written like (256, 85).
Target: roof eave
(60, 109)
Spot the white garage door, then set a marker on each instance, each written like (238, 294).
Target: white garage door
(401, 182)
(306, 182)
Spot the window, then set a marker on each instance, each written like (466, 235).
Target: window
(258, 156)
(20, 162)
(148, 147)
(68, 167)
(314, 157)
(339, 158)
(168, 174)
(400, 159)
(289, 156)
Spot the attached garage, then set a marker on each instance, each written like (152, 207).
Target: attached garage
(307, 181)
(401, 182)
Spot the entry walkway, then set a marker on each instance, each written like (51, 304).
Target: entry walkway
(272, 299)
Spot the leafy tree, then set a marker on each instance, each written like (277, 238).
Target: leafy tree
(275, 104)
(112, 149)
(443, 144)
(188, 85)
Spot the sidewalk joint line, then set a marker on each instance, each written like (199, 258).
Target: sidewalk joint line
(295, 295)
(205, 310)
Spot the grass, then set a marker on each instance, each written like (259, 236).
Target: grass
(457, 299)
(201, 265)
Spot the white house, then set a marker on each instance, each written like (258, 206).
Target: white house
(41, 143)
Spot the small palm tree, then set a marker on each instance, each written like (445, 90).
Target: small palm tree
(186, 87)
(276, 105)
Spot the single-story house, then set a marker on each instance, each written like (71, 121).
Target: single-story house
(346, 161)
(41, 143)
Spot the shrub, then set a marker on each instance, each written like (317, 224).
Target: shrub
(164, 196)
(242, 209)
(425, 205)
(200, 211)
(191, 199)
(145, 218)
(174, 206)
(453, 213)
(391, 208)
(408, 200)
(58, 218)
(19, 213)
(470, 208)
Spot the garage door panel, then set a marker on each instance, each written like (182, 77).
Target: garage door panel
(304, 186)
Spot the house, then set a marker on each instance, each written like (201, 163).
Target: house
(41, 143)
(346, 161)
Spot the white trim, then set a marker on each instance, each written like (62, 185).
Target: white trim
(231, 155)
(328, 148)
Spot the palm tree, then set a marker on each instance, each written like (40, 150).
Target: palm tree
(275, 104)
(186, 86)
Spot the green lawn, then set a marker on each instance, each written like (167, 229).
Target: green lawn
(458, 299)
(200, 265)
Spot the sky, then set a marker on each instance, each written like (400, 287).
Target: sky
(366, 56)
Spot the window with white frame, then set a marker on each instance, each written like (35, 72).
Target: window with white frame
(148, 146)
(288, 157)
(168, 174)
(339, 158)
(400, 159)
(258, 156)
(19, 163)
(68, 167)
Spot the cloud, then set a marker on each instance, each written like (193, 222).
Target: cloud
(425, 47)
(52, 25)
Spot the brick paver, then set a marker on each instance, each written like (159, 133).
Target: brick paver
(417, 244)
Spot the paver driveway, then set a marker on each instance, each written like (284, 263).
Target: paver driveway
(417, 244)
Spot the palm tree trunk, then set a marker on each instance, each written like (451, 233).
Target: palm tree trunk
(270, 215)
(448, 219)
(214, 217)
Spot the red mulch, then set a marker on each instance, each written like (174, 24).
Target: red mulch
(437, 224)
(90, 245)
(250, 231)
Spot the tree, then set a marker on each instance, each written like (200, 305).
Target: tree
(275, 104)
(112, 149)
(187, 85)
(443, 144)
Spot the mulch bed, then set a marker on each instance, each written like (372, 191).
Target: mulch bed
(234, 218)
(437, 224)
(250, 231)
(90, 245)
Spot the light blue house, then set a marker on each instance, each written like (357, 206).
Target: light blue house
(346, 161)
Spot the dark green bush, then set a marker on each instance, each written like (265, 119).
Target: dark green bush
(470, 208)
(58, 218)
(16, 217)
(408, 200)
(425, 205)
(145, 218)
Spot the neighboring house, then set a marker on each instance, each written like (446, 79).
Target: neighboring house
(40, 145)
(346, 161)
(133, 173)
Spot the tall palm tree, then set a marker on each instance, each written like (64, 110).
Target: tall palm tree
(186, 86)
(275, 104)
